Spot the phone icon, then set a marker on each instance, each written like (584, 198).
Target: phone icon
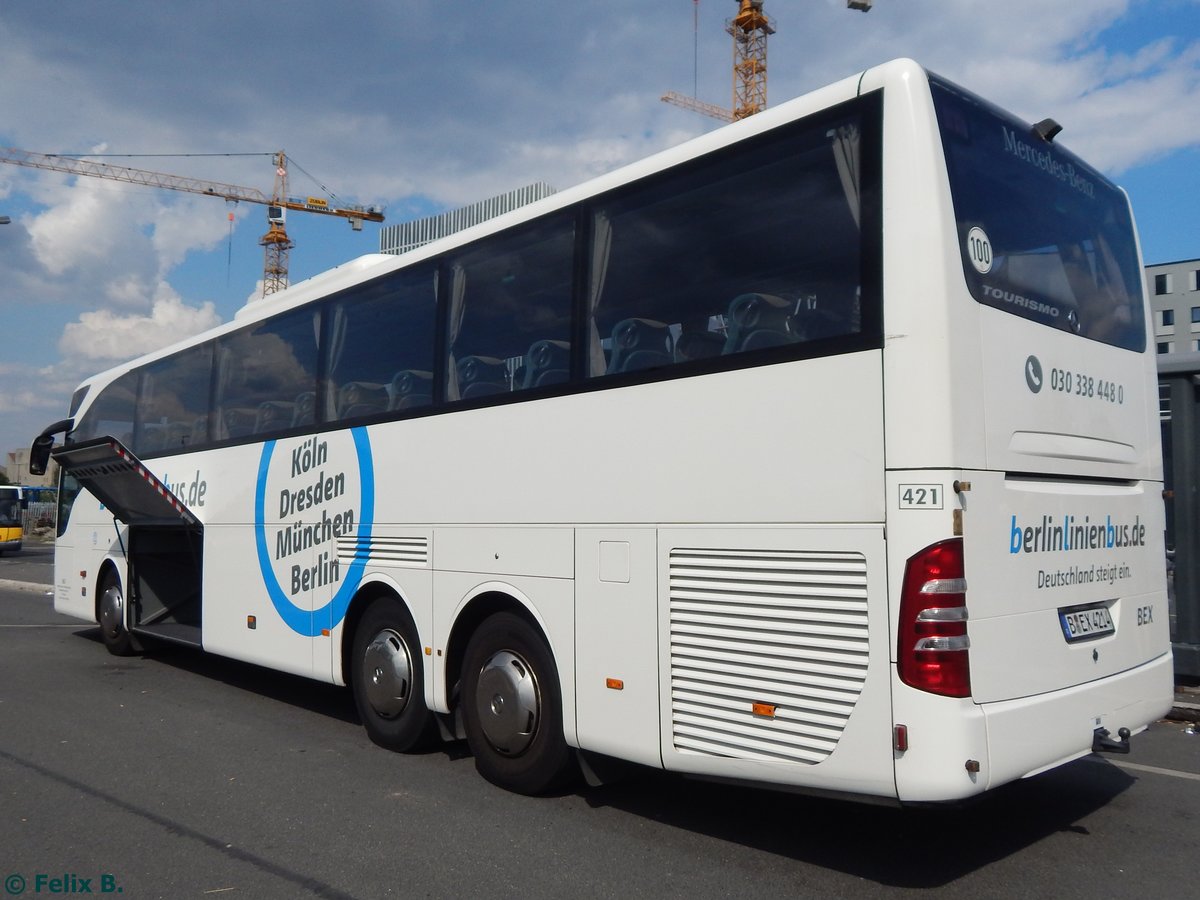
(1033, 374)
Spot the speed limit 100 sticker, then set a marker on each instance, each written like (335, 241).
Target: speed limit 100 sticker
(979, 250)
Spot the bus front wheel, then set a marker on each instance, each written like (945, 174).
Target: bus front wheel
(111, 617)
(512, 707)
(387, 678)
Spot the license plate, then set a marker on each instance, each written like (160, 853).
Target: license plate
(1086, 623)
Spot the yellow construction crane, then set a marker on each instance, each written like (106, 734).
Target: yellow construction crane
(749, 29)
(276, 243)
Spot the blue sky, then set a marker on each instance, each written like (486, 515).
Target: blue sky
(425, 106)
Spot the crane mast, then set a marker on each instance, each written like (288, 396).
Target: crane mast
(749, 29)
(276, 243)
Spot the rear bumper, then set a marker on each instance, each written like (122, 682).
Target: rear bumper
(1033, 734)
(10, 545)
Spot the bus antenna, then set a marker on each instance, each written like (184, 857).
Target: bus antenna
(1047, 130)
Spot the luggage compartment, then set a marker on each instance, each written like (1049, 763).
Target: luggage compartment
(164, 581)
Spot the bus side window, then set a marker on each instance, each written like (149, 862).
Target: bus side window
(547, 362)
(640, 344)
(173, 402)
(411, 389)
(381, 339)
(361, 398)
(262, 370)
(757, 321)
(747, 251)
(510, 311)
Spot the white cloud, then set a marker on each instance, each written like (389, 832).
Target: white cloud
(256, 294)
(26, 399)
(1119, 107)
(78, 228)
(490, 105)
(107, 336)
(120, 240)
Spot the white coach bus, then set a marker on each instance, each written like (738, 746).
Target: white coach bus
(820, 452)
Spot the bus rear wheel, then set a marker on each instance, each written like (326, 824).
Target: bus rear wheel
(387, 678)
(111, 617)
(512, 707)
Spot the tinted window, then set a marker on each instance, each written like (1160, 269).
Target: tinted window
(267, 376)
(112, 413)
(757, 248)
(1042, 234)
(10, 508)
(510, 312)
(77, 400)
(381, 345)
(68, 490)
(173, 404)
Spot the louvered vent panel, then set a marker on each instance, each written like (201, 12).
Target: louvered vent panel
(787, 629)
(385, 551)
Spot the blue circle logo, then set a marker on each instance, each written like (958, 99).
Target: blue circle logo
(315, 509)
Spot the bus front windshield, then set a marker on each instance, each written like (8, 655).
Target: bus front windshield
(10, 509)
(1042, 234)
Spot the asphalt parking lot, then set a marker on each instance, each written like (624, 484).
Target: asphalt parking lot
(176, 774)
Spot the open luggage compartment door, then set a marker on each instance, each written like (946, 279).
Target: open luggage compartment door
(164, 550)
(122, 483)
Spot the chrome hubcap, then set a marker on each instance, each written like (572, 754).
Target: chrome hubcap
(112, 620)
(508, 703)
(388, 668)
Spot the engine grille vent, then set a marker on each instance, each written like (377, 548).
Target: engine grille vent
(385, 551)
(781, 632)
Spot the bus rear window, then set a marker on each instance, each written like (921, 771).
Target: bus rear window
(1042, 234)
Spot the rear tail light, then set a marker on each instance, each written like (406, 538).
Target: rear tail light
(932, 654)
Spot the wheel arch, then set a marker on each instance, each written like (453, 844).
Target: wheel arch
(367, 594)
(489, 601)
(108, 565)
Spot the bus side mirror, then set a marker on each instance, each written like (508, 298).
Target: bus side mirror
(39, 454)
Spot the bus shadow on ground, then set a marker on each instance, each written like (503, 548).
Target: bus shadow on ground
(304, 693)
(315, 696)
(920, 847)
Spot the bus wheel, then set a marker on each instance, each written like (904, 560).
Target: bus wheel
(387, 678)
(116, 636)
(512, 707)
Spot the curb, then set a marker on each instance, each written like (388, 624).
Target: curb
(27, 586)
(1184, 711)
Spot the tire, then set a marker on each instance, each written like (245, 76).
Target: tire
(111, 617)
(512, 707)
(387, 677)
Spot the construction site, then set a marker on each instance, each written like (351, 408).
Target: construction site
(749, 29)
